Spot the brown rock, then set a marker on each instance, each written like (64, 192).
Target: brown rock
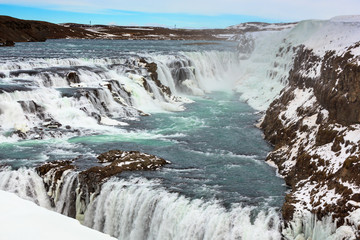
(337, 92)
(6, 43)
(72, 77)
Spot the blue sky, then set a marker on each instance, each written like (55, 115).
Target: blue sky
(119, 17)
(183, 14)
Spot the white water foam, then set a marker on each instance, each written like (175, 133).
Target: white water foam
(109, 89)
(25, 183)
(135, 209)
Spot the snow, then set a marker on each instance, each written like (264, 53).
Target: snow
(95, 30)
(353, 135)
(100, 31)
(303, 98)
(21, 219)
(354, 217)
(266, 67)
(141, 29)
(137, 78)
(313, 72)
(355, 188)
(260, 26)
(227, 36)
(346, 18)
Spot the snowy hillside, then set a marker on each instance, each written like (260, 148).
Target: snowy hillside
(261, 26)
(314, 126)
(21, 219)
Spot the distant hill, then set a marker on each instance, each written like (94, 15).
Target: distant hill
(261, 26)
(18, 30)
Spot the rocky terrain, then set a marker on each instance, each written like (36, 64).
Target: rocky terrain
(86, 184)
(262, 26)
(314, 127)
(17, 30)
(152, 33)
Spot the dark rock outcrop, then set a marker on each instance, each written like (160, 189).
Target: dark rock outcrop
(337, 87)
(309, 125)
(72, 77)
(152, 69)
(6, 43)
(117, 161)
(89, 181)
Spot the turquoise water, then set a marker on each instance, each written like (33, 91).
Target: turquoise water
(87, 48)
(216, 151)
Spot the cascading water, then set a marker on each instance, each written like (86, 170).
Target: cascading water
(26, 183)
(74, 93)
(139, 209)
(82, 99)
(264, 69)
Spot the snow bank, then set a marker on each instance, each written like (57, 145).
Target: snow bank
(21, 219)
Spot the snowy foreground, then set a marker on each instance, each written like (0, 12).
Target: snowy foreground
(21, 219)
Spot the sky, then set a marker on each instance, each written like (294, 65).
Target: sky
(171, 13)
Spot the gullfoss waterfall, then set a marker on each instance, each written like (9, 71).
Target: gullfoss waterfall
(59, 107)
(193, 105)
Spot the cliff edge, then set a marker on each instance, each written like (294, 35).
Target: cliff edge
(314, 126)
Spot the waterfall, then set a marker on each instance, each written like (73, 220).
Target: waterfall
(266, 59)
(44, 98)
(139, 209)
(72, 96)
(25, 183)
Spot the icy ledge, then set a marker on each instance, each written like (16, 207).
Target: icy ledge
(21, 219)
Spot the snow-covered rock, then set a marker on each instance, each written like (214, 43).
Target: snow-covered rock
(314, 124)
(21, 219)
(262, 26)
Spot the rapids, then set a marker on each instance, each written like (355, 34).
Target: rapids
(78, 98)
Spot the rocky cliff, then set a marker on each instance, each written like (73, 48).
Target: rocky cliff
(314, 126)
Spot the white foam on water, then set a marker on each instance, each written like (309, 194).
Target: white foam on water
(135, 209)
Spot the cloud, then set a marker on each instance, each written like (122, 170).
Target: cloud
(275, 9)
